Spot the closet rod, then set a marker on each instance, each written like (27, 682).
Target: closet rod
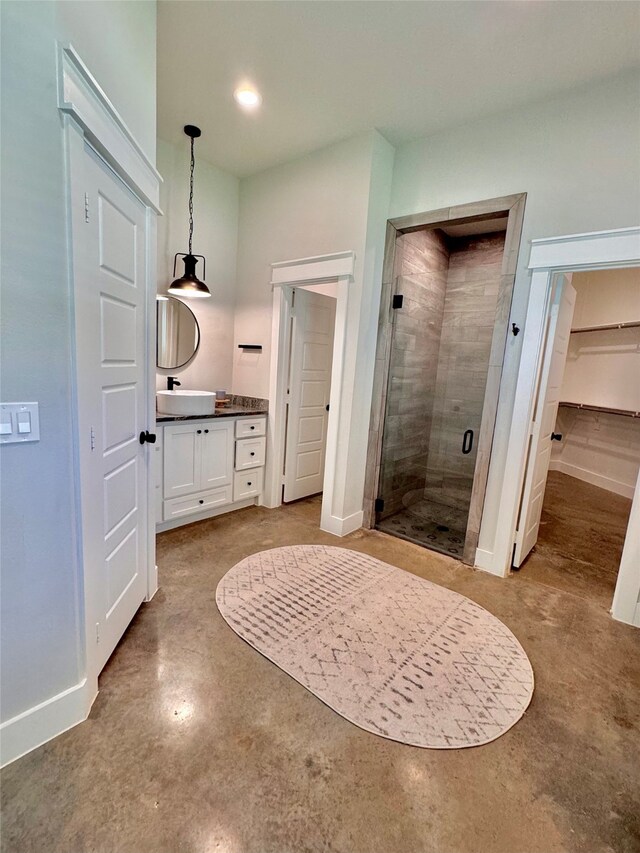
(630, 325)
(628, 413)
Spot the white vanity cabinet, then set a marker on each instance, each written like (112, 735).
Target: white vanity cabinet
(207, 466)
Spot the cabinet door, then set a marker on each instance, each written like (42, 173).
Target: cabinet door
(216, 466)
(181, 460)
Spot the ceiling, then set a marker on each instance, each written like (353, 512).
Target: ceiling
(330, 70)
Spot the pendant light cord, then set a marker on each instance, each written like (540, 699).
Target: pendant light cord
(193, 163)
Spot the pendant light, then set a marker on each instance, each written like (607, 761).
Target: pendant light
(189, 284)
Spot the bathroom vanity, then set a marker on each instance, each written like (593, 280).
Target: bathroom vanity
(209, 464)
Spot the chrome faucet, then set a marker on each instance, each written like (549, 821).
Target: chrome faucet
(172, 382)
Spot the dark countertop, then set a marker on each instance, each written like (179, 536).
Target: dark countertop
(220, 412)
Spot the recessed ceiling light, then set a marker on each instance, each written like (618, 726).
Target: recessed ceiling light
(247, 97)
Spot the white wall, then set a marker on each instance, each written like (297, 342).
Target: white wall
(335, 199)
(215, 212)
(577, 159)
(606, 296)
(599, 448)
(118, 42)
(602, 369)
(41, 619)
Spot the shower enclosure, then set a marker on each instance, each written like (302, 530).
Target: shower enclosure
(444, 322)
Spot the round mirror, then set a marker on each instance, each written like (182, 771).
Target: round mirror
(178, 333)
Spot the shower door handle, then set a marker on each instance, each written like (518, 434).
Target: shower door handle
(467, 441)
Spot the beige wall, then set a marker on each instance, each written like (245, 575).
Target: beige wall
(216, 201)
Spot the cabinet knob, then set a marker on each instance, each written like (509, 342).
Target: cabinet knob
(249, 484)
(253, 427)
(206, 430)
(200, 501)
(198, 431)
(252, 453)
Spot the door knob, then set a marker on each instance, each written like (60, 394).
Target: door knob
(149, 437)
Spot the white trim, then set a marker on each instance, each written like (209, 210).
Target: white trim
(286, 275)
(484, 560)
(587, 476)
(342, 526)
(600, 250)
(45, 721)
(80, 96)
(626, 598)
(318, 268)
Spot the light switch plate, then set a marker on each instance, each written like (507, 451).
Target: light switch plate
(9, 415)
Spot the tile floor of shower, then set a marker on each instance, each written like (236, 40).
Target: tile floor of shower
(433, 525)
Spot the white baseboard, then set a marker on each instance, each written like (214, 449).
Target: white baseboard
(486, 562)
(342, 526)
(40, 724)
(591, 477)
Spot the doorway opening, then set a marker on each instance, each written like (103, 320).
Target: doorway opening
(584, 453)
(310, 348)
(444, 323)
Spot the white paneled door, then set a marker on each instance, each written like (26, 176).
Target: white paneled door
(110, 250)
(309, 389)
(544, 419)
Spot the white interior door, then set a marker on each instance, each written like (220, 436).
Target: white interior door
(544, 418)
(309, 389)
(110, 240)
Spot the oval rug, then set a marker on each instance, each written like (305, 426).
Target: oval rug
(395, 654)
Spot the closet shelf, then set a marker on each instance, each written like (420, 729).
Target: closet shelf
(629, 413)
(632, 324)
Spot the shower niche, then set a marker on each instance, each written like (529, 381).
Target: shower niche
(444, 321)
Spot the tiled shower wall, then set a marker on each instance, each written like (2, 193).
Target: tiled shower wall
(473, 283)
(422, 260)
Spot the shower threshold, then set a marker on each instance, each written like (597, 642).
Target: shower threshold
(436, 526)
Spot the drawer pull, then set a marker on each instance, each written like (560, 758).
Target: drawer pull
(249, 484)
(252, 453)
(206, 430)
(252, 427)
(198, 431)
(200, 501)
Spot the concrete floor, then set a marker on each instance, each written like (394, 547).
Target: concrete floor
(197, 743)
(582, 533)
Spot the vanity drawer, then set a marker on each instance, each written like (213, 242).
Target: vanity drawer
(199, 502)
(247, 484)
(250, 453)
(249, 427)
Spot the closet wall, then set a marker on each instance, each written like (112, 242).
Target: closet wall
(602, 369)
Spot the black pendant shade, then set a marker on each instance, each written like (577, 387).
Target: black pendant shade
(189, 284)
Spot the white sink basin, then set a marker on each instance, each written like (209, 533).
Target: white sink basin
(186, 402)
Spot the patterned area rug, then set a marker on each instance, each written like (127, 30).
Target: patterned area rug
(395, 654)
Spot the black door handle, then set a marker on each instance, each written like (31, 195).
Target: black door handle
(147, 436)
(556, 436)
(467, 441)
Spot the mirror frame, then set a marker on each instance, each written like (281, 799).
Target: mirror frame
(198, 335)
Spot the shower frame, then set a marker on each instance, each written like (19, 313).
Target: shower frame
(511, 207)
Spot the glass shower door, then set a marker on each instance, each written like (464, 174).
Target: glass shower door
(440, 347)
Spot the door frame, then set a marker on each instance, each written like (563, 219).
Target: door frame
(88, 117)
(285, 276)
(511, 206)
(619, 248)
